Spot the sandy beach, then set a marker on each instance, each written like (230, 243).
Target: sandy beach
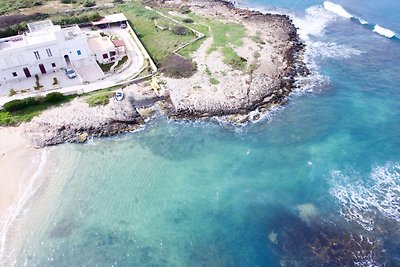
(18, 161)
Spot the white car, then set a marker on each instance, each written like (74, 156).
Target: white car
(70, 73)
(119, 95)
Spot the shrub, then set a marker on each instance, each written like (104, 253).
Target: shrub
(180, 30)
(37, 3)
(187, 21)
(77, 19)
(89, 4)
(184, 10)
(12, 92)
(18, 104)
(68, 1)
(38, 86)
(214, 81)
(118, 1)
(54, 97)
(178, 67)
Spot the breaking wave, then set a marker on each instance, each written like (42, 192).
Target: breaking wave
(337, 9)
(384, 32)
(340, 11)
(372, 197)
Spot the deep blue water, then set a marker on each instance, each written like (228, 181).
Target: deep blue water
(314, 185)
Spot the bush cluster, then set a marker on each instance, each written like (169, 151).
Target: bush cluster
(20, 104)
(68, 1)
(180, 30)
(178, 67)
(13, 30)
(77, 19)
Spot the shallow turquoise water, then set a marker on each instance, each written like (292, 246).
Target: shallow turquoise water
(202, 194)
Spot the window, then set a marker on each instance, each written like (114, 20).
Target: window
(79, 52)
(105, 56)
(14, 74)
(112, 53)
(37, 55)
(49, 52)
(53, 65)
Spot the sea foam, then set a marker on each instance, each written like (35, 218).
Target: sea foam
(337, 9)
(384, 32)
(340, 11)
(363, 199)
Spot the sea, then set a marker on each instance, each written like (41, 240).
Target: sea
(315, 183)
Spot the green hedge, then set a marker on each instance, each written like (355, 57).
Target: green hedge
(69, 20)
(20, 104)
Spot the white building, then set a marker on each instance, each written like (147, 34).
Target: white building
(44, 48)
(103, 48)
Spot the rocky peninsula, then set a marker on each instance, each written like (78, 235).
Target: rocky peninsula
(239, 78)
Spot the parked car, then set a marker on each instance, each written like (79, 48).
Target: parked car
(119, 95)
(70, 73)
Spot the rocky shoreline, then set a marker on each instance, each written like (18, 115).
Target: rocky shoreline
(264, 88)
(241, 96)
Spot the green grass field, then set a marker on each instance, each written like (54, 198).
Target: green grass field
(160, 44)
(226, 36)
(13, 5)
(99, 98)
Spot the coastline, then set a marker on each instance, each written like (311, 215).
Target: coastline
(15, 164)
(273, 63)
(244, 95)
(76, 122)
(19, 163)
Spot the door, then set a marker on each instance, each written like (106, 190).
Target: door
(27, 73)
(42, 68)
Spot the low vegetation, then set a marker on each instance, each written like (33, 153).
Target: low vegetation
(23, 110)
(76, 19)
(213, 81)
(160, 44)
(232, 59)
(13, 5)
(20, 27)
(226, 36)
(180, 30)
(257, 39)
(106, 66)
(178, 67)
(121, 62)
(101, 98)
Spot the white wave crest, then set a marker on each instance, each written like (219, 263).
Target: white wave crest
(384, 32)
(376, 196)
(362, 21)
(337, 9)
(314, 22)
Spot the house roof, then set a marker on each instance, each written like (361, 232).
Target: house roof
(111, 19)
(118, 43)
(100, 44)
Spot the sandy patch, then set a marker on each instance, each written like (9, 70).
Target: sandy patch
(307, 212)
(18, 160)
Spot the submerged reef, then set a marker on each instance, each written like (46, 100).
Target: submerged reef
(329, 241)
